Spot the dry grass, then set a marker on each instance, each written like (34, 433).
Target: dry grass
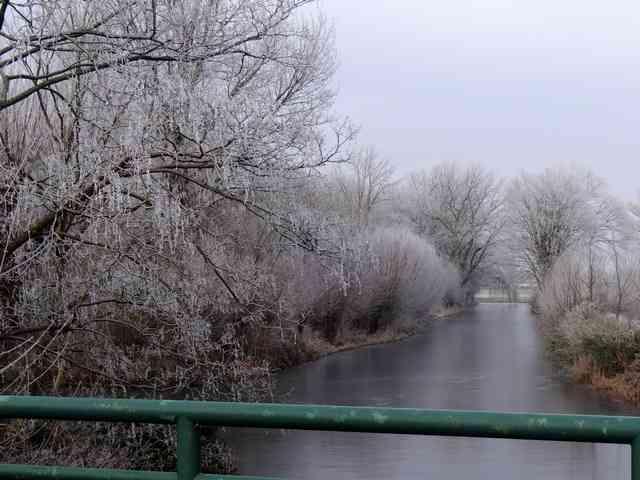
(582, 370)
(625, 385)
(597, 349)
(441, 311)
(318, 347)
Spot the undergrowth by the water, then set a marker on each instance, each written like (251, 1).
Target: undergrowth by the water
(597, 349)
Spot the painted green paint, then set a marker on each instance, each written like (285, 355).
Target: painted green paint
(635, 459)
(34, 472)
(188, 455)
(187, 415)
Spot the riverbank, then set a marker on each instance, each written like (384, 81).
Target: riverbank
(622, 386)
(315, 347)
(312, 347)
(487, 359)
(597, 349)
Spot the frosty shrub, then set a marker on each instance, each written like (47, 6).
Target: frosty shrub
(138, 140)
(384, 275)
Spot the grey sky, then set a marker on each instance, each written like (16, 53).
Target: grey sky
(514, 85)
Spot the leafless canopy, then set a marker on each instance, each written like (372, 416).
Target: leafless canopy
(135, 138)
(461, 209)
(554, 211)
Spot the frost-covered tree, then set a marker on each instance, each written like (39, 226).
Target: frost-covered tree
(461, 209)
(551, 212)
(150, 154)
(362, 185)
(223, 99)
(161, 213)
(134, 135)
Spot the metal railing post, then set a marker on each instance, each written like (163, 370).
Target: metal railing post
(635, 459)
(188, 449)
(187, 416)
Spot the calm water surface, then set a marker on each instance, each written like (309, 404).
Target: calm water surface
(489, 359)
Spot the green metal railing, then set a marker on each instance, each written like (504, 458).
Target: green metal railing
(188, 415)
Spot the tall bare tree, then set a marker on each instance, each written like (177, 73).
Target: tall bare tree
(462, 210)
(551, 212)
(133, 133)
(363, 184)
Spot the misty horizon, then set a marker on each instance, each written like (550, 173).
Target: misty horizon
(511, 85)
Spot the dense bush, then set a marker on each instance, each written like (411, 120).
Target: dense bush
(165, 224)
(380, 279)
(588, 312)
(587, 331)
(212, 326)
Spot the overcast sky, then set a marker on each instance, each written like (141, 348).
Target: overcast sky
(515, 85)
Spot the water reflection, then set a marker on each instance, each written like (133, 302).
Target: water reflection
(490, 359)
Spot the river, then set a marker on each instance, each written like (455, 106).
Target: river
(489, 359)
